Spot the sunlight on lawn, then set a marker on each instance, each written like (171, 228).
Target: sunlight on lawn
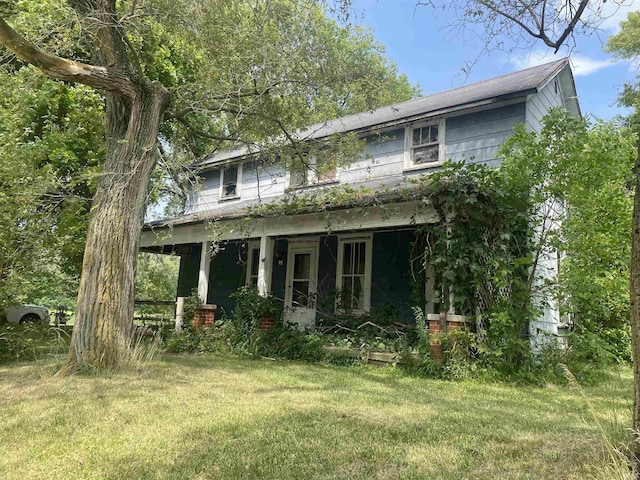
(206, 417)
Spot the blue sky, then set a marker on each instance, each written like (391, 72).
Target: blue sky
(419, 41)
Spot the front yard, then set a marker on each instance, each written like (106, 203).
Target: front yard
(207, 417)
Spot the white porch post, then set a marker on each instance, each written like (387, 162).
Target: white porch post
(265, 266)
(179, 313)
(203, 274)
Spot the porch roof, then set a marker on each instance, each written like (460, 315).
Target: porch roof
(371, 192)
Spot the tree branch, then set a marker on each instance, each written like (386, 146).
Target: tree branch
(572, 25)
(108, 79)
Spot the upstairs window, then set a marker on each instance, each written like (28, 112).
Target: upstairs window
(310, 174)
(230, 181)
(425, 145)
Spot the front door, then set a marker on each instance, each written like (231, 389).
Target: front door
(301, 286)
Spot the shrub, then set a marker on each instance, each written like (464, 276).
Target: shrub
(286, 343)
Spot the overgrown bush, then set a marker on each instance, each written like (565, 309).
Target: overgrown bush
(286, 343)
(199, 340)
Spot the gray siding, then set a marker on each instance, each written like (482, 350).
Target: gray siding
(538, 105)
(204, 196)
(383, 157)
(261, 181)
(476, 138)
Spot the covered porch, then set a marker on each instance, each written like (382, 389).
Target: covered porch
(355, 260)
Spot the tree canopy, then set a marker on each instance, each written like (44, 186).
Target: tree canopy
(201, 76)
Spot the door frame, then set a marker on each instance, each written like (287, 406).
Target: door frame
(301, 316)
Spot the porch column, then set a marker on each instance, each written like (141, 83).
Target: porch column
(429, 286)
(265, 265)
(203, 274)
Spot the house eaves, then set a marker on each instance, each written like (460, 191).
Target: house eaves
(494, 91)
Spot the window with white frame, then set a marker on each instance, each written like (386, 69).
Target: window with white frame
(253, 264)
(425, 145)
(230, 176)
(311, 174)
(353, 273)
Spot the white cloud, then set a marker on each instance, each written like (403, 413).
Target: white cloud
(581, 65)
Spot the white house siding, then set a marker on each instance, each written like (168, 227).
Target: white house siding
(477, 137)
(204, 196)
(539, 104)
(256, 182)
(545, 327)
(262, 181)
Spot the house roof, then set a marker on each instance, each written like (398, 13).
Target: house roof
(505, 87)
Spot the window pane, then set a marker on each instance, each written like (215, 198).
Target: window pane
(301, 266)
(359, 260)
(231, 175)
(425, 154)
(255, 259)
(300, 294)
(229, 190)
(433, 133)
(230, 181)
(347, 289)
(347, 259)
(416, 136)
(358, 293)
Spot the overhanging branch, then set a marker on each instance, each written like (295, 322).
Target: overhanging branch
(102, 78)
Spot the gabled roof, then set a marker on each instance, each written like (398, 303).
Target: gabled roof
(513, 85)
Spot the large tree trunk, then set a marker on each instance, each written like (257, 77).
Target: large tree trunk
(104, 316)
(635, 308)
(133, 112)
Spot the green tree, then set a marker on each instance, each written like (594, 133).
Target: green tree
(626, 45)
(587, 170)
(509, 24)
(204, 76)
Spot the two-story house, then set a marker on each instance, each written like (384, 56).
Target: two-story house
(361, 255)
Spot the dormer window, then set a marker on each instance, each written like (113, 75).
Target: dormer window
(425, 145)
(309, 174)
(230, 181)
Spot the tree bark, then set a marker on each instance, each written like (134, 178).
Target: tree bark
(104, 317)
(635, 308)
(134, 108)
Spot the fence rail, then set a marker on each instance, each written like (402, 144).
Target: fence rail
(156, 313)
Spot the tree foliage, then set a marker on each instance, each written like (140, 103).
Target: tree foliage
(51, 144)
(202, 76)
(588, 169)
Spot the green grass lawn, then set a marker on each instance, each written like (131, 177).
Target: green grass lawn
(207, 417)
